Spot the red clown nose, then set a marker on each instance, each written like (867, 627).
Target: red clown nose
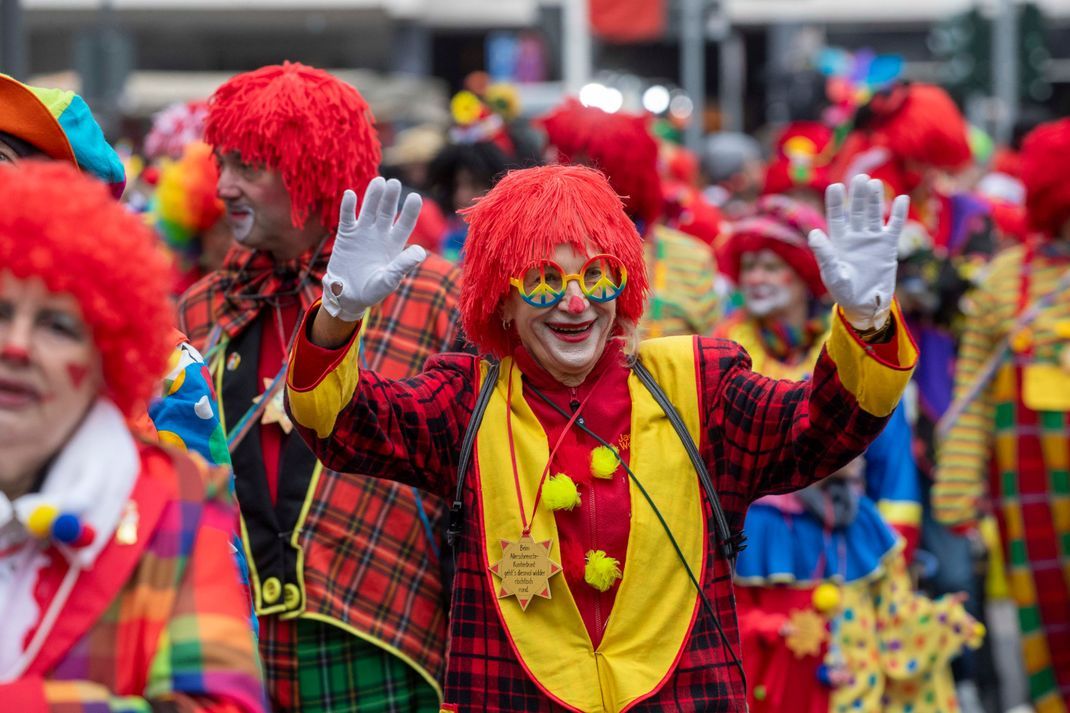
(576, 305)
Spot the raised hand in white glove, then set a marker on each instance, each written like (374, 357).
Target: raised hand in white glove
(858, 256)
(369, 258)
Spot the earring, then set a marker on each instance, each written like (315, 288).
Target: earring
(506, 324)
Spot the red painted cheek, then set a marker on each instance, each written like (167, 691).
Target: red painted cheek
(77, 374)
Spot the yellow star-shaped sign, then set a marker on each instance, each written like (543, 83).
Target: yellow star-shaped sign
(525, 569)
(275, 411)
(806, 633)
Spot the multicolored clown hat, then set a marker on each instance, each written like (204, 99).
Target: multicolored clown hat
(59, 124)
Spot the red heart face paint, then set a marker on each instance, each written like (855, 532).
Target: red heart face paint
(77, 372)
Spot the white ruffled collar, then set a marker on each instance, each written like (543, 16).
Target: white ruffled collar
(92, 478)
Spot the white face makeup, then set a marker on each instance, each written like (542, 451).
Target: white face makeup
(240, 217)
(567, 339)
(769, 285)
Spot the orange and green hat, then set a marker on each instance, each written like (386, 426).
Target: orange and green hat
(59, 124)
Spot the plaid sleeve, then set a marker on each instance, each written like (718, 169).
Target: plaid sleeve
(773, 436)
(357, 421)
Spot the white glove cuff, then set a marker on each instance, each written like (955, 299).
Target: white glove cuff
(867, 321)
(339, 306)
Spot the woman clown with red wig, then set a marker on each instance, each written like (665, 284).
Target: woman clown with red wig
(598, 483)
(118, 586)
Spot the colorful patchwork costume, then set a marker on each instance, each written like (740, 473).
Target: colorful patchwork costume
(1017, 425)
(120, 592)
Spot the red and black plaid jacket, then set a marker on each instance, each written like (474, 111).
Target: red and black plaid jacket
(759, 436)
(369, 557)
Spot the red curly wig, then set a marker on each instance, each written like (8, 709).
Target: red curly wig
(620, 145)
(523, 219)
(314, 129)
(917, 123)
(1044, 157)
(68, 231)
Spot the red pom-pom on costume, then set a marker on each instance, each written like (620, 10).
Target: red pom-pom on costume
(69, 232)
(620, 145)
(907, 123)
(780, 224)
(314, 129)
(85, 539)
(523, 219)
(1045, 156)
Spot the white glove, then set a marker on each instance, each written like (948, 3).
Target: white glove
(369, 258)
(858, 257)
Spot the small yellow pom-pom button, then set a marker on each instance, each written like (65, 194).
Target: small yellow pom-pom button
(604, 462)
(826, 598)
(39, 523)
(602, 571)
(560, 492)
(979, 632)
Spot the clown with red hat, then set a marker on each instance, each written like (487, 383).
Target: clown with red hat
(849, 536)
(1007, 436)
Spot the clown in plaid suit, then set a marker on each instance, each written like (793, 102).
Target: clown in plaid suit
(345, 571)
(623, 625)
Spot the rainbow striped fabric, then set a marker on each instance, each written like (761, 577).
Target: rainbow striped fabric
(1018, 429)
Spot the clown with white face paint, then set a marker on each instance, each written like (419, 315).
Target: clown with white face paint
(784, 316)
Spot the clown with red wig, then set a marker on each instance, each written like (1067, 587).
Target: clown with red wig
(118, 584)
(343, 568)
(1007, 436)
(683, 299)
(598, 482)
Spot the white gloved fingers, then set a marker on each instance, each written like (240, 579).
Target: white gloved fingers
(373, 196)
(410, 213)
(822, 248)
(856, 202)
(409, 259)
(388, 207)
(347, 214)
(898, 219)
(875, 205)
(834, 211)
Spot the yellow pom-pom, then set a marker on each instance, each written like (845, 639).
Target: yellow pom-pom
(978, 635)
(560, 493)
(602, 571)
(604, 462)
(826, 598)
(39, 523)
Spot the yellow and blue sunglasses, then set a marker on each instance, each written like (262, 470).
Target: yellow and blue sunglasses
(602, 278)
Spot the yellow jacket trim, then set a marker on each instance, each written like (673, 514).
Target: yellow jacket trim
(318, 406)
(876, 385)
(656, 603)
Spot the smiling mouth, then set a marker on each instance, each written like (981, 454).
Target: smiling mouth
(571, 332)
(15, 395)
